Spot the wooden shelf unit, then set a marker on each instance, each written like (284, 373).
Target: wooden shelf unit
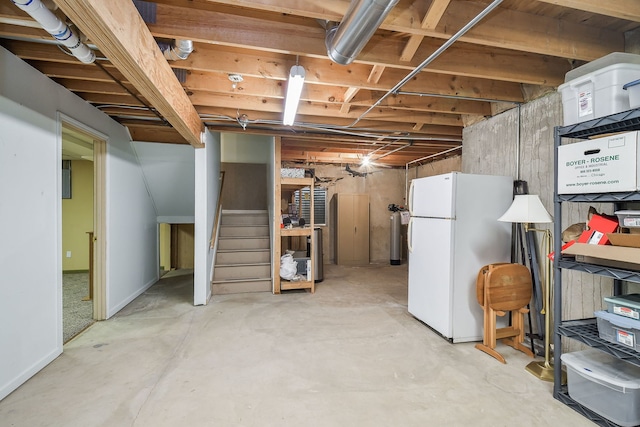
(285, 188)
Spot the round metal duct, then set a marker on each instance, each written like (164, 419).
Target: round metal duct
(345, 41)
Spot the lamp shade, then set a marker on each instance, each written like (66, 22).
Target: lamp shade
(526, 208)
(294, 90)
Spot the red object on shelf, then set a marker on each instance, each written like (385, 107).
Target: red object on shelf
(599, 226)
(565, 246)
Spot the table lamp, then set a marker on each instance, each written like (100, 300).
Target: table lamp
(528, 209)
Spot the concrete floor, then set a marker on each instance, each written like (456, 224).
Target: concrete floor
(348, 355)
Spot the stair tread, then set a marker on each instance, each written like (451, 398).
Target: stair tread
(243, 250)
(246, 264)
(245, 225)
(250, 279)
(243, 237)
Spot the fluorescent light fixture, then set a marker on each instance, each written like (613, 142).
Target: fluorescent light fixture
(526, 208)
(294, 89)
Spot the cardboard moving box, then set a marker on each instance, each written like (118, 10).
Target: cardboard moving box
(607, 255)
(602, 165)
(627, 240)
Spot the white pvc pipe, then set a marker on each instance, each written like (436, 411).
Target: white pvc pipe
(58, 29)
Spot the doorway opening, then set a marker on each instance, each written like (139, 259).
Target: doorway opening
(176, 256)
(83, 289)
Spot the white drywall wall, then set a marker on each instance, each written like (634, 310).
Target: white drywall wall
(245, 148)
(169, 172)
(207, 191)
(30, 253)
(31, 285)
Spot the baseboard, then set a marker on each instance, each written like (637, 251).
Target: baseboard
(28, 372)
(113, 310)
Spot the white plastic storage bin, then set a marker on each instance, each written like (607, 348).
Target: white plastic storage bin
(605, 384)
(618, 329)
(628, 219)
(596, 89)
(633, 88)
(624, 305)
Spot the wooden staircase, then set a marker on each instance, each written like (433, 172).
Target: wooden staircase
(243, 260)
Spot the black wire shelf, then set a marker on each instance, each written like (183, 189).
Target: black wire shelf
(600, 197)
(625, 121)
(564, 397)
(601, 270)
(586, 331)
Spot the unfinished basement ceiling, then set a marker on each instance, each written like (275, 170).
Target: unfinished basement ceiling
(235, 78)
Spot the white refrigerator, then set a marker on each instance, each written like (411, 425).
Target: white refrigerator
(453, 232)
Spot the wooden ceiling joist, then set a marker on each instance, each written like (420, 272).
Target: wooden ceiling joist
(623, 9)
(540, 34)
(430, 21)
(117, 28)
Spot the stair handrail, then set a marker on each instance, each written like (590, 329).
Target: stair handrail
(216, 220)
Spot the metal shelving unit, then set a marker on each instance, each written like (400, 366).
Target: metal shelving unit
(586, 330)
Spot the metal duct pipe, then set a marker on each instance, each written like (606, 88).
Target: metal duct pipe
(58, 29)
(345, 41)
(178, 49)
(431, 57)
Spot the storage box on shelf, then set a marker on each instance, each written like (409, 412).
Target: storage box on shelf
(625, 305)
(634, 93)
(618, 329)
(602, 165)
(585, 330)
(628, 218)
(605, 255)
(596, 89)
(605, 384)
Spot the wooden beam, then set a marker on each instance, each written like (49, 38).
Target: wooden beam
(423, 103)
(430, 22)
(117, 28)
(504, 28)
(374, 77)
(224, 118)
(110, 99)
(243, 103)
(79, 71)
(362, 97)
(434, 14)
(376, 73)
(350, 93)
(105, 88)
(266, 66)
(35, 34)
(623, 9)
(40, 51)
(154, 133)
(461, 59)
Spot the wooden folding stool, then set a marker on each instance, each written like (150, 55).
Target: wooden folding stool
(502, 288)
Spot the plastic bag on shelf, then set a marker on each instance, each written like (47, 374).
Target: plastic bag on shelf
(288, 267)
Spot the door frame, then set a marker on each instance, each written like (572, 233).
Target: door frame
(99, 211)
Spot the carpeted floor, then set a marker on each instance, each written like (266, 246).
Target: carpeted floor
(77, 314)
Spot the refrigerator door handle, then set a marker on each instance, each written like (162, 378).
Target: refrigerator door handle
(411, 200)
(409, 227)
